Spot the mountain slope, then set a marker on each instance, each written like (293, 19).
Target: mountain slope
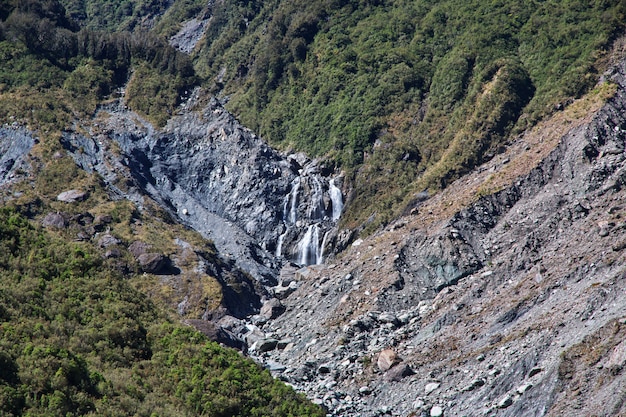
(396, 91)
(513, 305)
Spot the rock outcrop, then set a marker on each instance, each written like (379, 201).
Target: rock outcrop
(219, 178)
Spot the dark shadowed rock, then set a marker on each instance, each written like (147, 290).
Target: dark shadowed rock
(152, 263)
(217, 333)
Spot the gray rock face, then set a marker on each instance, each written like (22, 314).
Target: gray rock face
(221, 179)
(513, 306)
(15, 144)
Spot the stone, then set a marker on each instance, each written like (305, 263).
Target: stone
(152, 263)
(523, 388)
(387, 317)
(534, 372)
(108, 240)
(272, 309)
(398, 372)
(55, 220)
(138, 248)
(72, 196)
(436, 411)
(282, 344)
(505, 402)
(386, 359)
(365, 390)
(274, 366)
(113, 253)
(430, 387)
(266, 345)
(478, 382)
(324, 369)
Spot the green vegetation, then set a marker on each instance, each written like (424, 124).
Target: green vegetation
(406, 95)
(77, 339)
(51, 71)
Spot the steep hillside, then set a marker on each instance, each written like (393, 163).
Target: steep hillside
(503, 304)
(437, 230)
(406, 95)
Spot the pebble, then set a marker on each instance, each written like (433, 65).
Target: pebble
(436, 411)
(431, 386)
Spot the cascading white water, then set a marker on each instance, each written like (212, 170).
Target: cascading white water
(309, 249)
(315, 210)
(304, 210)
(293, 200)
(336, 198)
(279, 244)
(320, 259)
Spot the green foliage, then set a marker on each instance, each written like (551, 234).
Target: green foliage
(114, 15)
(45, 54)
(77, 339)
(332, 77)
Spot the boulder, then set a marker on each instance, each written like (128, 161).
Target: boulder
(138, 248)
(152, 263)
(72, 196)
(55, 220)
(386, 359)
(272, 309)
(266, 345)
(108, 240)
(398, 372)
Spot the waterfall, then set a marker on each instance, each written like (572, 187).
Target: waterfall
(320, 259)
(293, 199)
(316, 206)
(279, 244)
(309, 249)
(336, 198)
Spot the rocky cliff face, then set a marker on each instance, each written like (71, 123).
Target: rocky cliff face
(513, 306)
(257, 205)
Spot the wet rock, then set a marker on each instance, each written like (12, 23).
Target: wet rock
(72, 196)
(56, 220)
